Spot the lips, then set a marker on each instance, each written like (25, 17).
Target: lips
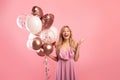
(66, 35)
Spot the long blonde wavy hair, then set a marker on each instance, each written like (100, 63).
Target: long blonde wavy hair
(61, 40)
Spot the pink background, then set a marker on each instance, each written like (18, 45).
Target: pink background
(98, 21)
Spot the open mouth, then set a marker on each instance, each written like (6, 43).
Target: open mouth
(66, 35)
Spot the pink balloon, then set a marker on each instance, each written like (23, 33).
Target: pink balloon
(47, 21)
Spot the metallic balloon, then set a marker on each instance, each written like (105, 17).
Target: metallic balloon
(48, 48)
(37, 43)
(47, 20)
(37, 11)
(40, 52)
(54, 43)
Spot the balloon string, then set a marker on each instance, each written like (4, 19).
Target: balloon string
(46, 67)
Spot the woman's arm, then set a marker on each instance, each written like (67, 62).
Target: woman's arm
(77, 53)
(55, 58)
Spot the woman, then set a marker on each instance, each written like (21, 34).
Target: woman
(67, 51)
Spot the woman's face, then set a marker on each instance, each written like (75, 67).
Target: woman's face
(66, 33)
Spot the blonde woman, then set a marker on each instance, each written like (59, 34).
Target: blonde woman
(67, 51)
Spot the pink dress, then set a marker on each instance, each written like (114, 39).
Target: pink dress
(65, 67)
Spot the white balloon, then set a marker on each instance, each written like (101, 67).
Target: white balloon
(31, 36)
(55, 31)
(21, 21)
(48, 36)
(33, 24)
(29, 44)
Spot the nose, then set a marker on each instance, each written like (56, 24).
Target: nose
(65, 31)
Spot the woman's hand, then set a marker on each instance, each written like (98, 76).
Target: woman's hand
(77, 52)
(80, 42)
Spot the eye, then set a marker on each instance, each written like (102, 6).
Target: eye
(67, 31)
(63, 31)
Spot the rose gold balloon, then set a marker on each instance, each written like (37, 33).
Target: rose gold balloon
(48, 48)
(54, 43)
(47, 20)
(37, 11)
(40, 52)
(37, 43)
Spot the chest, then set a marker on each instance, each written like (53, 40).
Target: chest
(64, 47)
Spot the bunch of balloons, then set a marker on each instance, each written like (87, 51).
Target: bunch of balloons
(42, 35)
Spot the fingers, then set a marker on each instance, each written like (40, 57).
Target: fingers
(81, 41)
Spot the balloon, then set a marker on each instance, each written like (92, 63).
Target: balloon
(55, 31)
(37, 43)
(54, 43)
(32, 36)
(40, 52)
(47, 21)
(33, 24)
(47, 36)
(48, 48)
(29, 44)
(37, 11)
(21, 21)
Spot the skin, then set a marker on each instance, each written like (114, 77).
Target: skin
(66, 36)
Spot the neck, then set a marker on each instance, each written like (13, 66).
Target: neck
(66, 41)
